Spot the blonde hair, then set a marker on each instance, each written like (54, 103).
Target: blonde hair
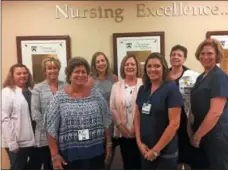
(50, 59)
(213, 43)
(122, 73)
(9, 81)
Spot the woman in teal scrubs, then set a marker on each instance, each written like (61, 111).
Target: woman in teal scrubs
(157, 116)
(208, 123)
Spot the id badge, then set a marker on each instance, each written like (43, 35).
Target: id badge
(146, 108)
(83, 134)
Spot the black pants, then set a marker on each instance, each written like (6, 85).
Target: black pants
(213, 152)
(19, 160)
(41, 156)
(30, 158)
(130, 153)
(96, 163)
(159, 164)
(184, 146)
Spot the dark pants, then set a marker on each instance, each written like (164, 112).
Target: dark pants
(96, 163)
(159, 164)
(213, 152)
(30, 158)
(41, 156)
(184, 146)
(130, 153)
(21, 160)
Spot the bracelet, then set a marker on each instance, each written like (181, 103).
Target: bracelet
(55, 157)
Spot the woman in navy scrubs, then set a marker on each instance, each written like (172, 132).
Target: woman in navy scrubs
(208, 126)
(184, 79)
(157, 116)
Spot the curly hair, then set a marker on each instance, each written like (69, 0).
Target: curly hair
(75, 62)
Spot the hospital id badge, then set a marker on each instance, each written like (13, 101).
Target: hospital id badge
(146, 108)
(83, 134)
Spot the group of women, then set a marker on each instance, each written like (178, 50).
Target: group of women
(169, 118)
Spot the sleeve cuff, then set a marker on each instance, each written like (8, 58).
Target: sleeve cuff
(13, 146)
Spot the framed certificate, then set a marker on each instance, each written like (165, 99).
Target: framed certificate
(31, 50)
(140, 44)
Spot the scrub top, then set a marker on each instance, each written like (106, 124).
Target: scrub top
(153, 125)
(215, 84)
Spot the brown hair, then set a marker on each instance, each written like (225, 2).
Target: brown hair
(75, 62)
(181, 48)
(50, 59)
(9, 81)
(159, 56)
(94, 72)
(122, 73)
(215, 44)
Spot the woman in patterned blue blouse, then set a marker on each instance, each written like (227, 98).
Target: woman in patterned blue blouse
(77, 122)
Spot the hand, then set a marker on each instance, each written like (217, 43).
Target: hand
(57, 162)
(108, 154)
(124, 131)
(143, 148)
(16, 150)
(195, 141)
(150, 155)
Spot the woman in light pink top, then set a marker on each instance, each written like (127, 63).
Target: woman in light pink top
(122, 105)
